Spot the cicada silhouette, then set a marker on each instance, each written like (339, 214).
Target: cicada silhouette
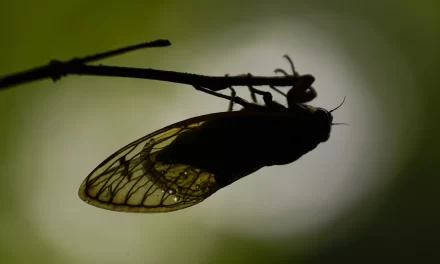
(183, 164)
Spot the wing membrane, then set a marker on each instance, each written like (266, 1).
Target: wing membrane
(132, 180)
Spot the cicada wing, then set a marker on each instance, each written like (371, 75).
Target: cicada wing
(132, 180)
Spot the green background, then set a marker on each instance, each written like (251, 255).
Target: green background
(371, 190)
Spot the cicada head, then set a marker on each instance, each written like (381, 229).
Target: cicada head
(323, 121)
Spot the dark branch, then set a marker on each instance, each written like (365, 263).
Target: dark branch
(214, 83)
(57, 69)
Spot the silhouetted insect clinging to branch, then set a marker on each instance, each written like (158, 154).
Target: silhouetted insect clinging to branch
(184, 163)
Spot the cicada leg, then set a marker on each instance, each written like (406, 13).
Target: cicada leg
(267, 98)
(231, 102)
(253, 92)
(234, 99)
(302, 91)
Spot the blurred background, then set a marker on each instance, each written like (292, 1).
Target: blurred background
(370, 190)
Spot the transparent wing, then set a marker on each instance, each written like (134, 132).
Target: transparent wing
(132, 180)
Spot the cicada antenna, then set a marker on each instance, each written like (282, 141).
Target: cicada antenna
(338, 105)
(335, 124)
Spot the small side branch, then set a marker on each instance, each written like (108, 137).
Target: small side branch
(55, 69)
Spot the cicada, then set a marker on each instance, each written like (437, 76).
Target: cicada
(184, 163)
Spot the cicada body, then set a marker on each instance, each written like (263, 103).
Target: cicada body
(186, 162)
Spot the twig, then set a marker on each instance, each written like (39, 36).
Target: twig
(57, 69)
